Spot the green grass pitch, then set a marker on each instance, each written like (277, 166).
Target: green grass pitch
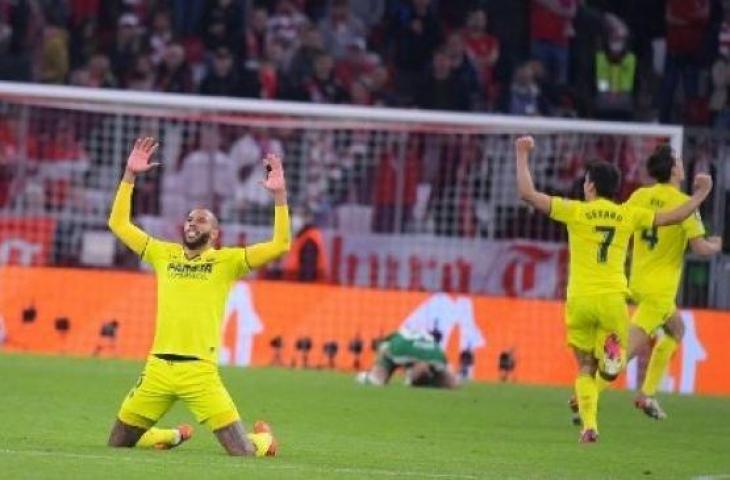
(56, 414)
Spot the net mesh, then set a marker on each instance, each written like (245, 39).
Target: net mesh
(406, 210)
(400, 185)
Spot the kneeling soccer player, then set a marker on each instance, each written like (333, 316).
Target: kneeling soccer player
(193, 281)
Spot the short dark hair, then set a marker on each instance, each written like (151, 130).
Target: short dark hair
(660, 163)
(605, 176)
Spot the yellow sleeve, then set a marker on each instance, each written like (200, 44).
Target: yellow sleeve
(643, 218)
(119, 220)
(563, 210)
(262, 253)
(693, 226)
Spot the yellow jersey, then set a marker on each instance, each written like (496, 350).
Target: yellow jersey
(192, 293)
(598, 238)
(191, 296)
(658, 254)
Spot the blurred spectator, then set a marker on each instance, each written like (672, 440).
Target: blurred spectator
(307, 259)
(100, 72)
(160, 37)
(302, 64)
(615, 77)
(286, 26)
(341, 28)
(13, 66)
(222, 24)
(187, 16)
(322, 86)
(246, 154)
(357, 64)
(54, 66)
(61, 160)
(127, 45)
(551, 27)
(720, 100)
(396, 181)
(369, 12)
(442, 89)
(414, 32)
(463, 68)
(84, 42)
(360, 93)
(379, 87)
(142, 74)
(686, 25)
(173, 73)
(483, 49)
(208, 175)
(525, 94)
(255, 36)
(221, 78)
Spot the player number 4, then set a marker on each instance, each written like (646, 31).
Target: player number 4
(608, 233)
(650, 236)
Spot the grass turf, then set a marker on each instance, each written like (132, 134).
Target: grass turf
(56, 413)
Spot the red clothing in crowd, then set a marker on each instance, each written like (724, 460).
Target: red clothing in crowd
(686, 24)
(550, 26)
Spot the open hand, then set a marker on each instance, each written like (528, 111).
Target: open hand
(274, 181)
(139, 159)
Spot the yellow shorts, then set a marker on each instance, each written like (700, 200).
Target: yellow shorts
(652, 311)
(590, 319)
(162, 382)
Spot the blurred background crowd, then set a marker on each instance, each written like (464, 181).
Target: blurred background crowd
(648, 60)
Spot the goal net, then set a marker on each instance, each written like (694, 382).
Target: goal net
(407, 202)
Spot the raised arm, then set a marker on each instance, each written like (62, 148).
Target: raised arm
(525, 186)
(262, 253)
(120, 216)
(702, 188)
(706, 246)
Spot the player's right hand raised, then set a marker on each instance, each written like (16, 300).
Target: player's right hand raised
(139, 159)
(702, 183)
(524, 144)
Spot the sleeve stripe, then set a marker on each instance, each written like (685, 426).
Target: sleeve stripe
(144, 249)
(245, 258)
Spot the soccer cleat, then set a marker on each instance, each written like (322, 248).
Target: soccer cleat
(575, 415)
(185, 432)
(650, 406)
(588, 436)
(613, 359)
(273, 446)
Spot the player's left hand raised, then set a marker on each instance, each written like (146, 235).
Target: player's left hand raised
(274, 181)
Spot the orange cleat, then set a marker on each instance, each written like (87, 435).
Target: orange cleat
(185, 431)
(262, 427)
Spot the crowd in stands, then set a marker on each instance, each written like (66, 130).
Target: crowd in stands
(665, 60)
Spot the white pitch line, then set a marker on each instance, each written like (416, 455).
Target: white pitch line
(720, 476)
(344, 470)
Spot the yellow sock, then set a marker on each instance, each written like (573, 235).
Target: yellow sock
(587, 394)
(601, 383)
(262, 442)
(658, 362)
(162, 436)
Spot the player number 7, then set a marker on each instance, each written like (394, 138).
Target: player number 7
(608, 233)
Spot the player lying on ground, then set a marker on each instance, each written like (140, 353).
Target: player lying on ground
(421, 357)
(657, 261)
(597, 317)
(193, 281)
